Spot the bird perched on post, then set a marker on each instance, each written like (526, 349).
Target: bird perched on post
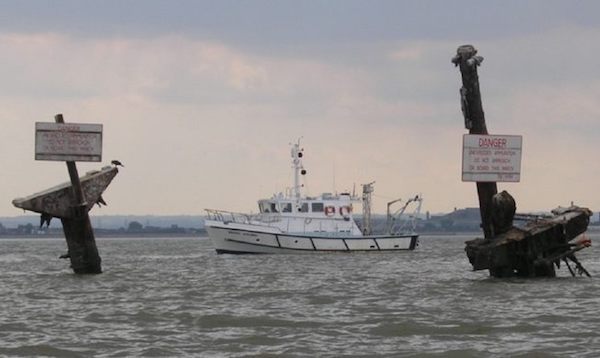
(117, 163)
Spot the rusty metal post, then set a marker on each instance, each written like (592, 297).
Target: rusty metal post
(79, 234)
(472, 109)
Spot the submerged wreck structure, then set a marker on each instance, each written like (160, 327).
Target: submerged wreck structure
(71, 202)
(534, 249)
(539, 246)
(57, 202)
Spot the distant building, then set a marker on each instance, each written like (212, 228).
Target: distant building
(467, 219)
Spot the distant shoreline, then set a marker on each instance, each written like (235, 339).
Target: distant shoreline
(108, 236)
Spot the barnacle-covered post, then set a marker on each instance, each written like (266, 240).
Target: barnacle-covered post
(467, 60)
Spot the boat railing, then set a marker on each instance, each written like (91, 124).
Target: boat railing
(241, 218)
(227, 216)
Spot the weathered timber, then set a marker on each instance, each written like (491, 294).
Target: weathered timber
(467, 60)
(57, 201)
(81, 244)
(534, 249)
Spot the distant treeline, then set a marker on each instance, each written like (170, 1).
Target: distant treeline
(29, 225)
(115, 221)
(461, 220)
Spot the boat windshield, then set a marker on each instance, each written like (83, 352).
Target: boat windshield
(286, 207)
(268, 207)
(262, 206)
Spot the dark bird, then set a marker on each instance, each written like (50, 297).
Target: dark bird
(101, 202)
(65, 256)
(45, 218)
(117, 163)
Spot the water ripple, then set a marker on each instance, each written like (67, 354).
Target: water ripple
(176, 297)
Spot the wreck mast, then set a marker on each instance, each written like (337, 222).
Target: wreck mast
(472, 110)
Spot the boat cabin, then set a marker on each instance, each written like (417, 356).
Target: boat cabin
(326, 205)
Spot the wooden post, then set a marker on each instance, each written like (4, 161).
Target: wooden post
(79, 234)
(472, 109)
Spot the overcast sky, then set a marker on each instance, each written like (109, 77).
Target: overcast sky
(200, 99)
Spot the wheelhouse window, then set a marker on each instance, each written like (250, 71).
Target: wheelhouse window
(317, 207)
(263, 206)
(286, 207)
(274, 208)
(303, 208)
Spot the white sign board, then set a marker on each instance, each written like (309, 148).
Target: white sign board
(491, 158)
(68, 142)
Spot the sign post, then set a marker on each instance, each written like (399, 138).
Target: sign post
(70, 143)
(470, 99)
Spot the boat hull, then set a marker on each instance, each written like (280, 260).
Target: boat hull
(241, 241)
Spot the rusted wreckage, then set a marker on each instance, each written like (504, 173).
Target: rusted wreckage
(58, 202)
(534, 249)
(530, 250)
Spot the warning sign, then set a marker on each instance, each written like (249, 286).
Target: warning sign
(491, 158)
(68, 141)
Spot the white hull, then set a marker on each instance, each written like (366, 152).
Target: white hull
(242, 241)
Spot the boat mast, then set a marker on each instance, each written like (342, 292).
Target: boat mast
(366, 206)
(297, 154)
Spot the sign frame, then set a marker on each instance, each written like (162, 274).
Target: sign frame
(77, 142)
(491, 158)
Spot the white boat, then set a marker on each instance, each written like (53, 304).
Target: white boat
(294, 223)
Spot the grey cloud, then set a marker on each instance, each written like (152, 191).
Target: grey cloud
(265, 24)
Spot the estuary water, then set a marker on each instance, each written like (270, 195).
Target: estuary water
(177, 297)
